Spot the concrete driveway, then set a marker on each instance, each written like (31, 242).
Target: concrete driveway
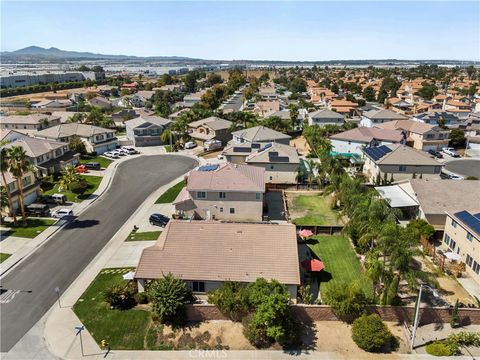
(60, 260)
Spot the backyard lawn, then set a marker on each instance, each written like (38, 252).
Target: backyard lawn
(170, 195)
(341, 262)
(146, 235)
(123, 329)
(4, 257)
(103, 161)
(34, 227)
(93, 182)
(311, 209)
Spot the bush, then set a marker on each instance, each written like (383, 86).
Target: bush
(142, 298)
(347, 300)
(454, 321)
(232, 300)
(441, 348)
(256, 335)
(465, 338)
(79, 187)
(371, 334)
(120, 297)
(169, 295)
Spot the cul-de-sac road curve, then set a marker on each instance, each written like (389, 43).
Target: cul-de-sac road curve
(64, 256)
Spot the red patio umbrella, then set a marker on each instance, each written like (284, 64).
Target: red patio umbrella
(305, 233)
(313, 265)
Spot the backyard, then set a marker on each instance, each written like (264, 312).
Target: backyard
(170, 195)
(92, 181)
(311, 208)
(141, 236)
(341, 262)
(103, 161)
(34, 227)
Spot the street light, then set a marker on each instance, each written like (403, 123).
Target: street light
(417, 311)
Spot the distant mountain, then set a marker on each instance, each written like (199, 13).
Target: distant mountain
(54, 53)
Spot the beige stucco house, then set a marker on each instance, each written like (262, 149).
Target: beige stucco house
(31, 188)
(212, 128)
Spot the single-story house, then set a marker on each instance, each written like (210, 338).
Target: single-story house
(34, 122)
(259, 134)
(100, 102)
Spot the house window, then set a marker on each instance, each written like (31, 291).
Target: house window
(232, 210)
(271, 167)
(402, 168)
(453, 244)
(26, 180)
(454, 223)
(222, 195)
(258, 196)
(446, 239)
(437, 169)
(221, 209)
(271, 178)
(469, 260)
(11, 187)
(198, 286)
(476, 267)
(469, 236)
(201, 195)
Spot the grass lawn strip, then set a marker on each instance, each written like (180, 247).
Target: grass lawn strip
(170, 195)
(34, 227)
(123, 329)
(93, 183)
(103, 161)
(141, 236)
(4, 257)
(340, 262)
(314, 210)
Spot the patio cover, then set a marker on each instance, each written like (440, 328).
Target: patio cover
(313, 265)
(396, 196)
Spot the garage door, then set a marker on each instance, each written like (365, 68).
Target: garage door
(30, 198)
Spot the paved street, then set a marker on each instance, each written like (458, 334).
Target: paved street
(68, 252)
(467, 167)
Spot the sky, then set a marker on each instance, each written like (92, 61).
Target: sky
(267, 30)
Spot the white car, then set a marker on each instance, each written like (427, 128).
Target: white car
(450, 151)
(118, 152)
(111, 154)
(190, 145)
(129, 149)
(60, 213)
(122, 152)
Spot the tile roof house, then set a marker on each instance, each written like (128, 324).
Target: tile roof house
(31, 188)
(146, 130)
(343, 106)
(211, 128)
(223, 192)
(28, 123)
(205, 254)
(420, 135)
(373, 117)
(259, 134)
(398, 162)
(437, 117)
(100, 102)
(96, 139)
(266, 108)
(354, 140)
(325, 117)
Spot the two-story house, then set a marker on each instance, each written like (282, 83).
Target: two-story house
(420, 135)
(47, 156)
(212, 128)
(374, 117)
(399, 162)
(146, 130)
(259, 134)
(28, 123)
(325, 117)
(100, 102)
(226, 191)
(31, 189)
(437, 118)
(96, 139)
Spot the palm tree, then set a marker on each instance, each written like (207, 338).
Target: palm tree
(4, 203)
(69, 176)
(18, 166)
(167, 136)
(4, 169)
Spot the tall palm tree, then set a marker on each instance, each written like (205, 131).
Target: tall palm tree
(4, 169)
(18, 166)
(3, 199)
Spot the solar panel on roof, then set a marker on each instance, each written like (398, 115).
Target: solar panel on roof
(273, 153)
(279, 159)
(242, 149)
(468, 219)
(377, 152)
(208, 168)
(256, 146)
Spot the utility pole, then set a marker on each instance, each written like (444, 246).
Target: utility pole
(79, 333)
(57, 291)
(416, 318)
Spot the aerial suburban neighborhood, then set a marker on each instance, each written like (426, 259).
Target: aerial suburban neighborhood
(288, 206)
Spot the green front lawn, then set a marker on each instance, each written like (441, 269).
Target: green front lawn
(93, 182)
(312, 210)
(34, 227)
(123, 329)
(171, 194)
(104, 162)
(141, 236)
(341, 262)
(4, 257)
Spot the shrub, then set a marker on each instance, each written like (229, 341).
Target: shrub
(371, 334)
(305, 295)
(347, 300)
(255, 334)
(79, 187)
(142, 298)
(465, 338)
(232, 300)
(169, 295)
(120, 297)
(441, 348)
(454, 321)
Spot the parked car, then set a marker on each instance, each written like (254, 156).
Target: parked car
(93, 166)
(123, 152)
(435, 153)
(130, 150)
(36, 209)
(111, 154)
(81, 169)
(450, 151)
(211, 145)
(159, 220)
(60, 213)
(190, 145)
(444, 175)
(58, 199)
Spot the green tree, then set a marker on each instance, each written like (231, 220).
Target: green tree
(18, 166)
(76, 145)
(369, 93)
(457, 138)
(69, 176)
(427, 91)
(213, 78)
(372, 335)
(4, 166)
(347, 300)
(232, 300)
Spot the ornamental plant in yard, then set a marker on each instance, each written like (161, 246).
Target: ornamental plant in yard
(347, 300)
(372, 335)
(441, 348)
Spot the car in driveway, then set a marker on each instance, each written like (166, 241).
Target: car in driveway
(450, 151)
(92, 166)
(111, 154)
(130, 150)
(435, 153)
(60, 213)
(159, 220)
(190, 145)
(447, 176)
(82, 169)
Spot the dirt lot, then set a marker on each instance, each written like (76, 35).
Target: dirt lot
(301, 144)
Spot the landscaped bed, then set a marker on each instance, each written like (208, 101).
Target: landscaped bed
(33, 228)
(308, 208)
(141, 236)
(341, 262)
(103, 161)
(92, 181)
(4, 257)
(170, 195)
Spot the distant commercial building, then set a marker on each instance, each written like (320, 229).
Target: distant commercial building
(18, 79)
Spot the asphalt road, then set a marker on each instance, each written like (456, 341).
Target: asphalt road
(468, 167)
(62, 258)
